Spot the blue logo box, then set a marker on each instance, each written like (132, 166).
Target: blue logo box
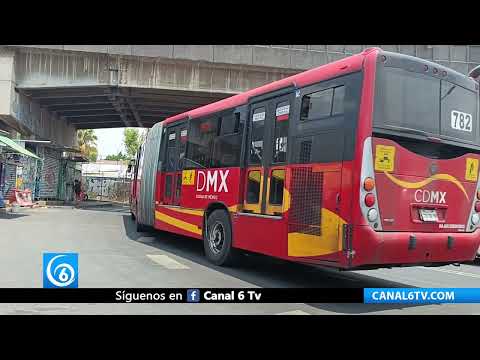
(421, 295)
(60, 270)
(193, 295)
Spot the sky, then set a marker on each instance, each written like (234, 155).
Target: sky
(110, 141)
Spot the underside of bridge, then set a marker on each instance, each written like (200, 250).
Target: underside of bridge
(93, 107)
(106, 90)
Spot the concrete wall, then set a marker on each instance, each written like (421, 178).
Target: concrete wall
(7, 80)
(41, 123)
(293, 57)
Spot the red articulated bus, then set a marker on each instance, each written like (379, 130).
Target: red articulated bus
(366, 162)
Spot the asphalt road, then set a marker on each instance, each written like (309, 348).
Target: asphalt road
(113, 254)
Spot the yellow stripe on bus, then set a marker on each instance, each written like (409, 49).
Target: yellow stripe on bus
(186, 211)
(233, 208)
(328, 242)
(178, 223)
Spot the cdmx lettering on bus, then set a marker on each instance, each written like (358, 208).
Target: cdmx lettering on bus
(426, 196)
(212, 180)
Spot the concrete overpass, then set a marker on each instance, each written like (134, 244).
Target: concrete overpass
(49, 91)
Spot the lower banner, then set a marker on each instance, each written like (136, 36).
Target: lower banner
(181, 295)
(243, 295)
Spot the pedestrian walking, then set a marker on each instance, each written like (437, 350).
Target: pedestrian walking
(77, 187)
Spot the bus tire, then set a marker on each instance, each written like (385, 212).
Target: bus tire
(217, 239)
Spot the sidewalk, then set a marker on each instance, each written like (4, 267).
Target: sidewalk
(62, 204)
(82, 204)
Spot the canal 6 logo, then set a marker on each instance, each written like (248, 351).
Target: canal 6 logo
(60, 270)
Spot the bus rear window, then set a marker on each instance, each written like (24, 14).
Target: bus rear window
(407, 100)
(418, 105)
(459, 112)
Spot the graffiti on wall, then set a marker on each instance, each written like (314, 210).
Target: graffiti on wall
(111, 189)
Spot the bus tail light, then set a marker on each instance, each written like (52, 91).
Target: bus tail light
(370, 200)
(369, 184)
(475, 219)
(368, 189)
(478, 194)
(477, 206)
(372, 215)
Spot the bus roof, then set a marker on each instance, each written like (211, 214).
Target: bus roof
(336, 68)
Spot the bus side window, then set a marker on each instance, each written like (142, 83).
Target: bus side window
(281, 132)
(277, 181)
(201, 136)
(162, 151)
(256, 145)
(325, 129)
(228, 145)
(323, 104)
(171, 153)
(178, 187)
(140, 161)
(168, 186)
(137, 163)
(253, 187)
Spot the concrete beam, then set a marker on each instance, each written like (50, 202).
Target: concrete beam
(133, 109)
(109, 113)
(117, 103)
(188, 68)
(279, 57)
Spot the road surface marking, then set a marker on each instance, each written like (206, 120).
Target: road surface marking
(167, 262)
(455, 272)
(294, 312)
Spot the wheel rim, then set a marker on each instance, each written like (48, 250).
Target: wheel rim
(216, 238)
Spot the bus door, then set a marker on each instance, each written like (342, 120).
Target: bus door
(175, 153)
(267, 156)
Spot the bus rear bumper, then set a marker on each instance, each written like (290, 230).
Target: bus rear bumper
(403, 248)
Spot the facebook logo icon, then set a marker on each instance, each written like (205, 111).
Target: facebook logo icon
(193, 295)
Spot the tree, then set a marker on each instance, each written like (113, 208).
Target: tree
(87, 142)
(119, 157)
(132, 139)
(92, 154)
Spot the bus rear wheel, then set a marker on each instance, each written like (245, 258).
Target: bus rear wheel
(217, 239)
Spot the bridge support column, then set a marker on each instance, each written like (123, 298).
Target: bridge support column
(7, 88)
(18, 112)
